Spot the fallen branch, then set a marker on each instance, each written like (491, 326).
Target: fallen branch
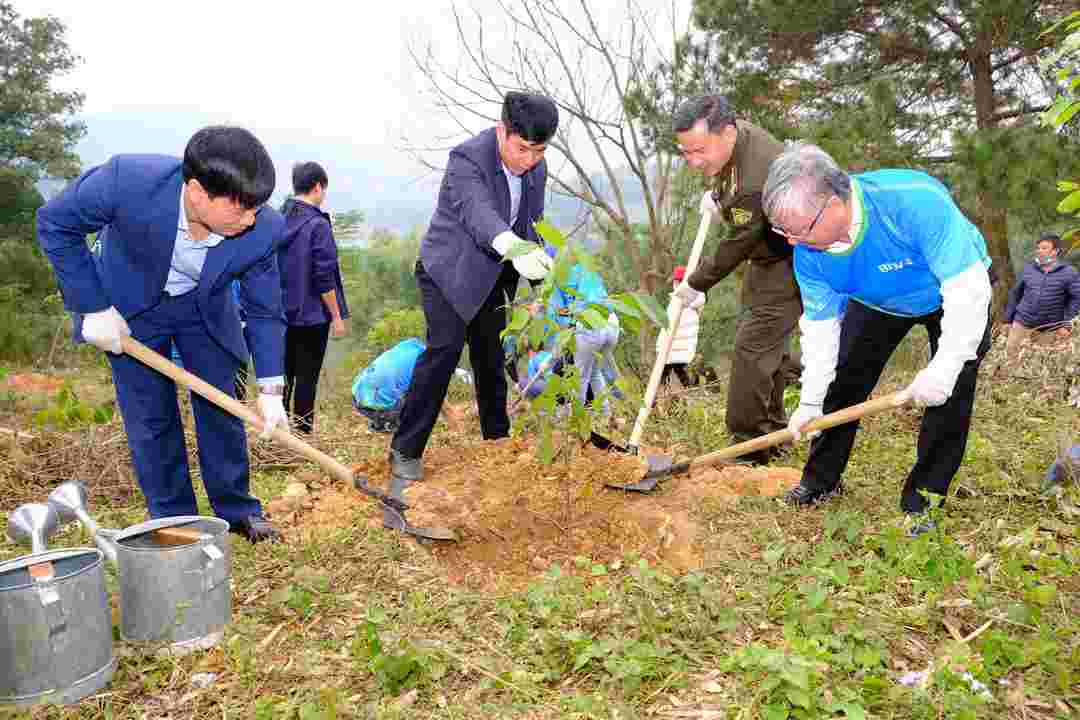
(270, 638)
(978, 631)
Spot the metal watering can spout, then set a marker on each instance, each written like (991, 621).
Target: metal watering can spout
(69, 501)
(32, 524)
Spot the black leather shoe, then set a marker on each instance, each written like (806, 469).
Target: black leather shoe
(803, 496)
(406, 468)
(257, 528)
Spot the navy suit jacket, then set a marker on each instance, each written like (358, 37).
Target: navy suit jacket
(474, 207)
(133, 203)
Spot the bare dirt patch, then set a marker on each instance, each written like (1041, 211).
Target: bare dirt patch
(30, 382)
(514, 516)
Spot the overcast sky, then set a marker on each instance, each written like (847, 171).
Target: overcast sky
(333, 75)
(338, 71)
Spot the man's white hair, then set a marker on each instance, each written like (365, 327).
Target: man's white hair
(800, 178)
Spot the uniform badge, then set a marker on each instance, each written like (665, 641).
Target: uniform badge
(741, 216)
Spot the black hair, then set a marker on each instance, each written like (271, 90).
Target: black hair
(230, 162)
(305, 176)
(713, 109)
(1050, 238)
(534, 118)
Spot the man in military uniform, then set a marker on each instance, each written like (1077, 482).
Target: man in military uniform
(735, 155)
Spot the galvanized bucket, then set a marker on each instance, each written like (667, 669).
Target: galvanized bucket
(178, 596)
(56, 640)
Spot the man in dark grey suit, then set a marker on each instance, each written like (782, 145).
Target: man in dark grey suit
(491, 194)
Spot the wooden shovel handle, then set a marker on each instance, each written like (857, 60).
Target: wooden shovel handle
(233, 406)
(824, 422)
(176, 536)
(673, 329)
(42, 571)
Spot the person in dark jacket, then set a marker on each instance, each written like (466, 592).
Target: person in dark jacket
(491, 194)
(312, 291)
(1046, 299)
(174, 234)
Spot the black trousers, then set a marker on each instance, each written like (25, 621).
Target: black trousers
(447, 334)
(868, 338)
(305, 348)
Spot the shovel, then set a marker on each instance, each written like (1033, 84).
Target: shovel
(669, 339)
(394, 505)
(32, 524)
(662, 467)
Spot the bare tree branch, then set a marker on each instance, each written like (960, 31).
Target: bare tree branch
(587, 65)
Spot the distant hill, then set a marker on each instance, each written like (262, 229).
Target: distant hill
(391, 190)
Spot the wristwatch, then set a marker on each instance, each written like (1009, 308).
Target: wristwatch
(276, 389)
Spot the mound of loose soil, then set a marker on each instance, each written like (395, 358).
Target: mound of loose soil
(515, 516)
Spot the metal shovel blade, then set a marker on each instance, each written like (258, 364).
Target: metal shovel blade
(391, 501)
(393, 520)
(599, 441)
(658, 467)
(394, 507)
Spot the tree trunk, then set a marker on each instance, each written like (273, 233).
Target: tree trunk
(993, 219)
(993, 222)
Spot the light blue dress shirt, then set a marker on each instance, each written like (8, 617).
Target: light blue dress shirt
(186, 266)
(514, 181)
(188, 256)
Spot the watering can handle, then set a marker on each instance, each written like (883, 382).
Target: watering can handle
(50, 599)
(214, 571)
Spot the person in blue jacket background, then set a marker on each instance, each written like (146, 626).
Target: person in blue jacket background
(875, 255)
(313, 293)
(1046, 298)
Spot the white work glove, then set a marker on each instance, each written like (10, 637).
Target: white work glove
(685, 293)
(708, 205)
(105, 329)
(272, 410)
(533, 266)
(927, 389)
(799, 418)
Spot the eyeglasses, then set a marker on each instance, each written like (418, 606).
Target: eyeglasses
(806, 233)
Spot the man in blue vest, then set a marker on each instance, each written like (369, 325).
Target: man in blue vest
(175, 234)
(491, 194)
(875, 255)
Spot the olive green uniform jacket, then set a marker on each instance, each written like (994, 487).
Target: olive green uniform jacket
(769, 277)
(761, 364)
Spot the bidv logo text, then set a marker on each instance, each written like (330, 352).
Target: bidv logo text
(893, 266)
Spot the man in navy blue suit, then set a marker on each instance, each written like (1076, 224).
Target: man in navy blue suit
(491, 194)
(175, 234)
